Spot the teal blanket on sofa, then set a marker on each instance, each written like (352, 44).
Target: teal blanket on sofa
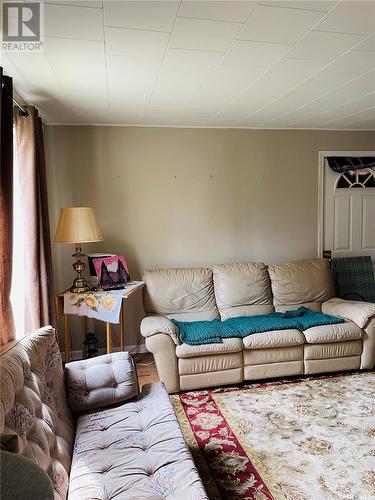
(210, 332)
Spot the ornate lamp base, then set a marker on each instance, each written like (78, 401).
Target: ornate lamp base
(80, 285)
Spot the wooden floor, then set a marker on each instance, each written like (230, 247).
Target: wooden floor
(146, 369)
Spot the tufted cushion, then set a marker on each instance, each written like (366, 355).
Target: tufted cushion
(133, 451)
(102, 381)
(301, 282)
(242, 289)
(186, 294)
(34, 417)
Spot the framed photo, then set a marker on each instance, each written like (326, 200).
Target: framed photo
(112, 272)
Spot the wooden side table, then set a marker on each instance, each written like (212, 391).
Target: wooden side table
(108, 326)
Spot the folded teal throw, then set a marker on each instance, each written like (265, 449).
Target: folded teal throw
(210, 332)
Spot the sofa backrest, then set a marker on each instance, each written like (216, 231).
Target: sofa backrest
(242, 289)
(185, 294)
(303, 282)
(35, 420)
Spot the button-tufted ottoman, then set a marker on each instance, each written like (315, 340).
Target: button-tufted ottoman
(126, 445)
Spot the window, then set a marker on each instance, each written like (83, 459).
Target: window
(364, 178)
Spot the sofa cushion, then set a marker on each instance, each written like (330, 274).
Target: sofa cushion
(35, 420)
(301, 282)
(183, 294)
(209, 363)
(133, 451)
(190, 351)
(273, 355)
(275, 338)
(313, 306)
(333, 333)
(242, 289)
(333, 350)
(103, 381)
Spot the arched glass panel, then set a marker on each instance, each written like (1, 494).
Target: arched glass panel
(364, 178)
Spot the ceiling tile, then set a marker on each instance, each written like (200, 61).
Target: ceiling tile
(178, 83)
(74, 51)
(255, 54)
(325, 81)
(362, 85)
(350, 120)
(97, 4)
(368, 44)
(71, 76)
(151, 15)
(301, 68)
(131, 74)
(191, 60)
(33, 67)
(272, 24)
(129, 67)
(126, 118)
(89, 116)
(86, 100)
(129, 42)
(73, 22)
(10, 68)
(222, 10)
(200, 34)
(322, 5)
(130, 106)
(259, 94)
(355, 60)
(322, 45)
(357, 105)
(350, 16)
(64, 116)
(308, 113)
(43, 93)
(226, 83)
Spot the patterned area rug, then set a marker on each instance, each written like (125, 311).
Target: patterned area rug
(302, 439)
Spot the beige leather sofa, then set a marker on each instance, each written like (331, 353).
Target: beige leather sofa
(126, 446)
(249, 288)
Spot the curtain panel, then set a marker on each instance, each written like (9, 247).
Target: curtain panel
(343, 164)
(7, 331)
(39, 288)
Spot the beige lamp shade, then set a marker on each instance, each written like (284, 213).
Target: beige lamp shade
(77, 225)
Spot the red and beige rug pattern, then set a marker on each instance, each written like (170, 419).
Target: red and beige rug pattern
(302, 439)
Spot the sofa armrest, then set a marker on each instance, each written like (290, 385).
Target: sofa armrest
(356, 311)
(152, 325)
(101, 381)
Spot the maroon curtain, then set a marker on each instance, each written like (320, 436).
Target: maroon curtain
(39, 289)
(7, 331)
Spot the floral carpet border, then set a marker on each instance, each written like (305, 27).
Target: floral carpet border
(228, 465)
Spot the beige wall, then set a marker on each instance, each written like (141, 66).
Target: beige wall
(186, 197)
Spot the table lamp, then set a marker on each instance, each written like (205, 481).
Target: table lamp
(78, 225)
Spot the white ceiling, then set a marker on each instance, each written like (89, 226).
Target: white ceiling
(246, 64)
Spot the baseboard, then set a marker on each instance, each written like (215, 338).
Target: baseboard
(133, 349)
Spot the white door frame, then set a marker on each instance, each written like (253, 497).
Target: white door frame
(322, 156)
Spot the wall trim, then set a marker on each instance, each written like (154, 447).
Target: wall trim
(322, 156)
(220, 127)
(133, 349)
